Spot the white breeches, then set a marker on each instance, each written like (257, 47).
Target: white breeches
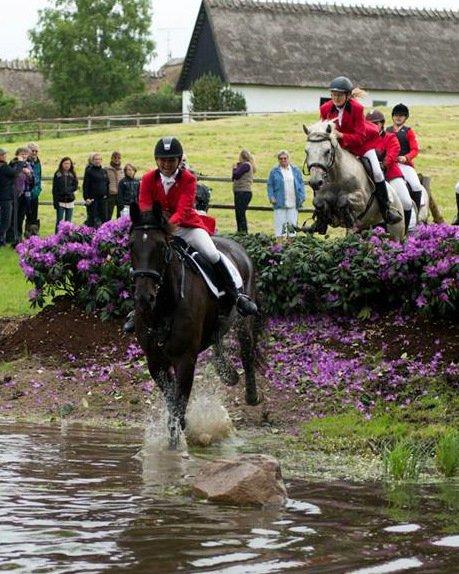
(376, 168)
(284, 218)
(201, 241)
(411, 177)
(400, 188)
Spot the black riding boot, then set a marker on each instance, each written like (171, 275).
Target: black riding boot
(456, 221)
(129, 325)
(416, 196)
(382, 196)
(407, 214)
(244, 304)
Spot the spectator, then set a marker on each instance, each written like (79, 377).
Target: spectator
(65, 183)
(286, 194)
(115, 175)
(128, 189)
(7, 175)
(23, 185)
(35, 162)
(95, 191)
(242, 187)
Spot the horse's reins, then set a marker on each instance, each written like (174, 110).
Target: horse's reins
(317, 138)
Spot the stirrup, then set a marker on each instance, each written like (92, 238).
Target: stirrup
(245, 305)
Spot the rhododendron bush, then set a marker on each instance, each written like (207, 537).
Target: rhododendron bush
(353, 274)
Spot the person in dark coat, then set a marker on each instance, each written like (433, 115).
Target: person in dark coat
(34, 160)
(22, 197)
(128, 189)
(242, 177)
(95, 191)
(7, 175)
(65, 184)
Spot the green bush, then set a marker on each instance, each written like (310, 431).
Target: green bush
(209, 94)
(7, 104)
(165, 100)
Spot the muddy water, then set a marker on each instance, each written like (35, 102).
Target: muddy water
(78, 500)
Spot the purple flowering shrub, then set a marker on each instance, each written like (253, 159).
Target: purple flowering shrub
(88, 264)
(359, 272)
(354, 274)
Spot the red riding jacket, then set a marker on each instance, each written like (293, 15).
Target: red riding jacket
(179, 201)
(409, 146)
(359, 135)
(388, 150)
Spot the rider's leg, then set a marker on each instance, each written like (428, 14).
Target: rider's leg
(412, 178)
(381, 192)
(201, 241)
(404, 195)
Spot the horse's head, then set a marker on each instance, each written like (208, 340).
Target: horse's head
(151, 252)
(321, 146)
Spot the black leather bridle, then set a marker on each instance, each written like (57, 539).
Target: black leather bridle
(317, 138)
(152, 274)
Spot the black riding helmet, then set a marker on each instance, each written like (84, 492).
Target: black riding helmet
(341, 84)
(169, 147)
(400, 110)
(375, 116)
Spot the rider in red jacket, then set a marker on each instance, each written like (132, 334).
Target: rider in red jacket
(174, 187)
(388, 151)
(409, 149)
(357, 136)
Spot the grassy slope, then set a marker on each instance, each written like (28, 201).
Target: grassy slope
(212, 148)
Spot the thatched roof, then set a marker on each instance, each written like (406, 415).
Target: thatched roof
(285, 44)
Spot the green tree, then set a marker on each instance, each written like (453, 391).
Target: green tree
(92, 52)
(7, 104)
(209, 94)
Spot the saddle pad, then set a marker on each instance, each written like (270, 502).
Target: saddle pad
(203, 267)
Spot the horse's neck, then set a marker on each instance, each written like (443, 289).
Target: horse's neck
(346, 168)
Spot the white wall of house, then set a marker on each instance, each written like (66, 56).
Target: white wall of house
(282, 99)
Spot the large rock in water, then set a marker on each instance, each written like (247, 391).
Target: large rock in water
(251, 479)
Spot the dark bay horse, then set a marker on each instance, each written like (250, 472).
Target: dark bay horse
(176, 317)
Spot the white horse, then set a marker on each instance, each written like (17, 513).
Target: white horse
(344, 194)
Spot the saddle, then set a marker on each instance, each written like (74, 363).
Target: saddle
(204, 268)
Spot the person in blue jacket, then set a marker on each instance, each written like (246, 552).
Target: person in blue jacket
(286, 194)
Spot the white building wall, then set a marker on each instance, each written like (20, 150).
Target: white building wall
(282, 99)
(278, 99)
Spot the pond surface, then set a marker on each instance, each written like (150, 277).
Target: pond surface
(79, 500)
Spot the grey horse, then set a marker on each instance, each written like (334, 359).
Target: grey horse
(343, 191)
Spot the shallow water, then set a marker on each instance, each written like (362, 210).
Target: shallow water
(79, 500)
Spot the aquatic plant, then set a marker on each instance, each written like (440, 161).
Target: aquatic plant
(447, 454)
(403, 461)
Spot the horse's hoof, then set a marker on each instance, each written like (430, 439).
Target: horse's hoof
(253, 399)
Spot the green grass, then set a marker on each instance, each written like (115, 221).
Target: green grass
(212, 147)
(447, 454)
(403, 461)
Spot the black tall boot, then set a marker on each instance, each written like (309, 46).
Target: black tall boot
(382, 196)
(456, 221)
(244, 304)
(407, 214)
(416, 196)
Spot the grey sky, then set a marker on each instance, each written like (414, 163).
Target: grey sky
(173, 22)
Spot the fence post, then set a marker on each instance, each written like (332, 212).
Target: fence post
(108, 123)
(137, 121)
(89, 126)
(58, 134)
(39, 128)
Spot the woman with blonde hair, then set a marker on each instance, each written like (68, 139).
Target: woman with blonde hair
(242, 187)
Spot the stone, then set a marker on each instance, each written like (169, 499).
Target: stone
(250, 479)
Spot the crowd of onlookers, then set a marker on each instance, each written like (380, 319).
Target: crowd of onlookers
(108, 191)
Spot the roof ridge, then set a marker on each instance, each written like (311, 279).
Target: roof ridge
(432, 14)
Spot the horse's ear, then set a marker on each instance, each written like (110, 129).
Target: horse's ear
(135, 213)
(157, 211)
(329, 129)
(305, 129)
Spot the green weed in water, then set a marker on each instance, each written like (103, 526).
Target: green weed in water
(447, 454)
(403, 461)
